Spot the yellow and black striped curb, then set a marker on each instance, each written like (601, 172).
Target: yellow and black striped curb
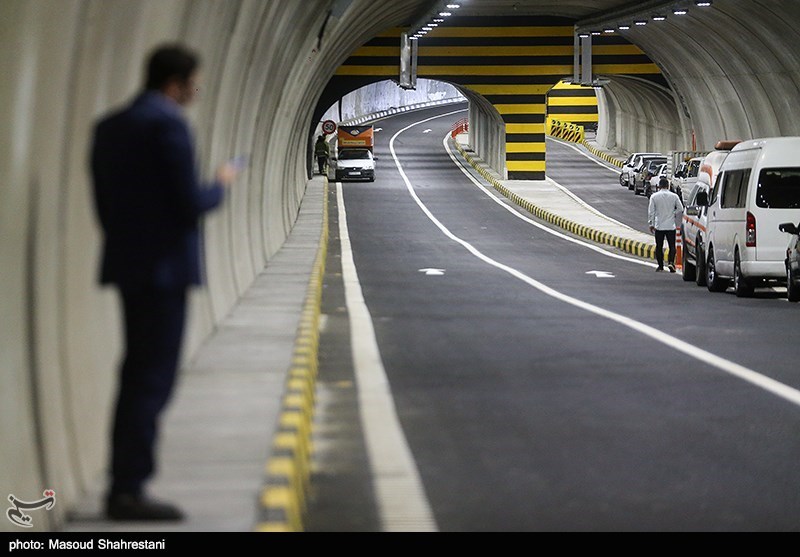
(282, 500)
(608, 157)
(634, 247)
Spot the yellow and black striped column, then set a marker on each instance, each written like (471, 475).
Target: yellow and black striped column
(511, 61)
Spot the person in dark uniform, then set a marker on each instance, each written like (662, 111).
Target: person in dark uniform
(322, 151)
(148, 200)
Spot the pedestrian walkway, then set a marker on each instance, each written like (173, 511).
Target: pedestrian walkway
(217, 432)
(217, 440)
(556, 205)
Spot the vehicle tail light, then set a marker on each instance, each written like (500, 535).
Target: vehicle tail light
(750, 232)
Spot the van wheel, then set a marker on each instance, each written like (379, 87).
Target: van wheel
(740, 285)
(700, 271)
(792, 288)
(688, 271)
(714, 282)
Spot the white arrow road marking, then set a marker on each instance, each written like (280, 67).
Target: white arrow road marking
(402, 501)
(775, 387)
(427, 131)
(600, 274)
(432, 271)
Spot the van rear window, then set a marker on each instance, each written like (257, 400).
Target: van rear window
(779, 188)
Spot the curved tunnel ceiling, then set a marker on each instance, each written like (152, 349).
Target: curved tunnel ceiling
(734, 66)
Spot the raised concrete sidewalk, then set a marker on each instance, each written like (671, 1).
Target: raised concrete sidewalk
(558, 206)
(217, 432)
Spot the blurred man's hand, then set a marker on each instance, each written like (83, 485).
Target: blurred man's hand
(227, 174)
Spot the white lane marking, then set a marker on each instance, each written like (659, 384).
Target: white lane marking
(770, 385)
(514, 211)
(430, 271)
(427, 131)
(400, 495)
(588, 207)
(613, 169)
(600, 274)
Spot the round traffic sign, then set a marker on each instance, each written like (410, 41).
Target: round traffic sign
(328, 126)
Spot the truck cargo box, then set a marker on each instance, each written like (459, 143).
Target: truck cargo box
(355, 136)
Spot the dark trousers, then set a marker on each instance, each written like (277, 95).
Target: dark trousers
(321, 161)
(670, 236)
(154, 323)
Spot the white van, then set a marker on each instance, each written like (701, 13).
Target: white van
(693, 223)
(758, 188)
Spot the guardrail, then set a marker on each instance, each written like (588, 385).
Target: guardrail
(566, 130)
(460, 127)
(577, 134)
(399, 109)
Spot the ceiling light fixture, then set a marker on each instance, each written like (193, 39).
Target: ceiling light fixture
(659, 17)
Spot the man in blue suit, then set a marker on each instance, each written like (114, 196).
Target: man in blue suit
(149, 202)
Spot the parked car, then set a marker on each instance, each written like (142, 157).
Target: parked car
(757, 189)
(792, 260)
(685, 176)
(693, 223)
(643, 172)
(626, 175)
(655, 178)
(354, 164)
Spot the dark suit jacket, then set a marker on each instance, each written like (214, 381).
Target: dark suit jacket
(147, 195)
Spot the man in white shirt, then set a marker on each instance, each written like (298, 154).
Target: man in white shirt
(662, 214)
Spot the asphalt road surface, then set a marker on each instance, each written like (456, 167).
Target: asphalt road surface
(537, 385)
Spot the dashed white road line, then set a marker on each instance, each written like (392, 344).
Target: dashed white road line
(770, 385)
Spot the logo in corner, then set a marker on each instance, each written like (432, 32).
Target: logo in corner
(16, 512)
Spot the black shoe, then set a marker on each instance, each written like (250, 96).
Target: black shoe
(138, 507)
(659, 269)
(672, 268)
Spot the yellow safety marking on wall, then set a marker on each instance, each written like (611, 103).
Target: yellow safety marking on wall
(369, 70)
(616, 49)
(525, 166)
(520, 108)
(510, 89)
(525, 147)
(524, 128)
(565, 85)
(625, 69)
(494, 70)
(377, 51)
(566, 50)
(480, 32)
(572, 101)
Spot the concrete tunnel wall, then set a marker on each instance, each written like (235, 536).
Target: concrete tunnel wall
(734, 68)
(65, 63)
